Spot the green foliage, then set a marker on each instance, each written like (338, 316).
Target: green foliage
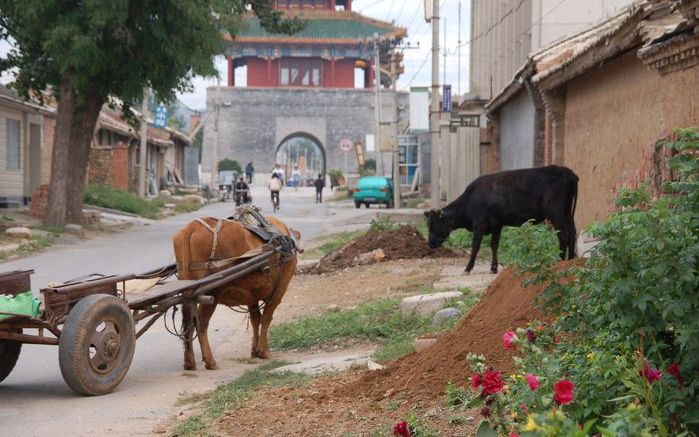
(382, 224)
(229, 164)
(626, 331)
(108, 197)
(116, 48)
(379, 320)
(417, 428)
(330, 243)
(529, 247)
(455, 396)
(232, 395)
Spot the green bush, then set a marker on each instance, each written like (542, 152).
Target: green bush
(627, 331)
(108, 197)
(229, 164)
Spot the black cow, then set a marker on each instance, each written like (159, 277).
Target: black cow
(510, 198)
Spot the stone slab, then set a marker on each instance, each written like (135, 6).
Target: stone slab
(327, 363)
(427, 304)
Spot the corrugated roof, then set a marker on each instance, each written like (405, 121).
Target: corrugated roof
(335, 26)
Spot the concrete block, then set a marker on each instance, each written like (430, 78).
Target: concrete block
(426, 304)
(423, 343)
(75, 229)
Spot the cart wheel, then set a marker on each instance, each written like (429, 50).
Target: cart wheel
(9, 352)
(96, 345)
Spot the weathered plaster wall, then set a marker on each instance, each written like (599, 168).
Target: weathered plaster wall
(612, 115)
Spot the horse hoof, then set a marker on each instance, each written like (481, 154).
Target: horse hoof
(189, 366)
(212, 366)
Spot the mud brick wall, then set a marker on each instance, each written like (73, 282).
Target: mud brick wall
(40, 198)
(100, 170)
(120, 166)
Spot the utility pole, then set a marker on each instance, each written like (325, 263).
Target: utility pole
(434, 108)
(444, 73)
(377, 86)
(214, 151)
(458, 57)
(396, 154)
(143, 150)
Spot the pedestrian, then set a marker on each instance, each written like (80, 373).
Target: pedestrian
(249, 171)
(319, 184)
(275, 186)
(296, 177)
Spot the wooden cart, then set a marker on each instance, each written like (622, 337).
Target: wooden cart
(95, 324)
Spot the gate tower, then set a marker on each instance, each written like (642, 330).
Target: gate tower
(317, 83)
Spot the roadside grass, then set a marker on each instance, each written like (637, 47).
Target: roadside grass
(377, 320)
(232, 395)
(108, 197)
(413, 202)
(330, 243)
(37, 243)
(120, 200)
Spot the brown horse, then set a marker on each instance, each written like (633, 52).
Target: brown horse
(193, 248)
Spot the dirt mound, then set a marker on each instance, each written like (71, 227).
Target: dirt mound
(506, 305)
(404, 243)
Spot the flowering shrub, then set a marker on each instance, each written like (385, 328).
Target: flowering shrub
(622, 357)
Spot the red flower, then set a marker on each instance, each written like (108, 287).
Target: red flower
(492, 382)
(514, 434)
(533, 381)
(650, 373)
(676, 372)
(485, 412)
(476, 381)
(402, 429)
(563, 392)
(524, 408)
(508, 340)
(531, 336)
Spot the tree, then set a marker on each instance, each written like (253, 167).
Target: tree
(91, 52)
(229, 164)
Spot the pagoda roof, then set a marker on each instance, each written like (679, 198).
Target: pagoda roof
(338, 27)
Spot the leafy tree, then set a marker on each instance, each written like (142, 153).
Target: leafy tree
(229, 164)
(91, 52)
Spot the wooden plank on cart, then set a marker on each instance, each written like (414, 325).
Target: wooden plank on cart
(160, 292)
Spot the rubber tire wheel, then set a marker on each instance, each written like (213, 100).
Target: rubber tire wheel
(367, 205)
(357, 205)
(9, 353)
(74, 344)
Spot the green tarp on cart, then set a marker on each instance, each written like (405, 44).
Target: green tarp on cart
(23, 304)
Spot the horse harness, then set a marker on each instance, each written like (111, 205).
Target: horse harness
(250, 218)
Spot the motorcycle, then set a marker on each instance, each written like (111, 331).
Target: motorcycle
(242, 196)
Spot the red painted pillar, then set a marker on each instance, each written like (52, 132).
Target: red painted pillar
(332, 72)
(370, 79)
(269, 72)
(231, 72)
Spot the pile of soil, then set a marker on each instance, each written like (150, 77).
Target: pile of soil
(359, 402)
(506, 305)
(403, 243)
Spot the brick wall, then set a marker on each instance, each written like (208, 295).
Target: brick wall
(100, 169)
(120, 166)
(40, 198)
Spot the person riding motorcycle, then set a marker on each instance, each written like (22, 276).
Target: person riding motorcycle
(242, 192)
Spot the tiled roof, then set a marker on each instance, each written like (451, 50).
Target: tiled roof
(325, 26)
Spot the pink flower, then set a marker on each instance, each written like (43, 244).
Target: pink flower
(563, 392)
(650, 373)
(514, 434)
(508, 340)
(476, 381)
(676, 372)
(402, 429)
(492, 382)
(533, 381)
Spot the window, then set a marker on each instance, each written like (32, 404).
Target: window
(13, 144)
(300, 72)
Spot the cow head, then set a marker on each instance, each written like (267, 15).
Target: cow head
(439, 226)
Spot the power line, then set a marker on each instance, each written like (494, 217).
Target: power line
(390, 9)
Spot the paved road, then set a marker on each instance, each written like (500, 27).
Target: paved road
(34, 400)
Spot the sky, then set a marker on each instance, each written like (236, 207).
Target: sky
(405, 13)
(417, 62)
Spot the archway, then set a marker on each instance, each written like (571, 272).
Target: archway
(303, 151)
